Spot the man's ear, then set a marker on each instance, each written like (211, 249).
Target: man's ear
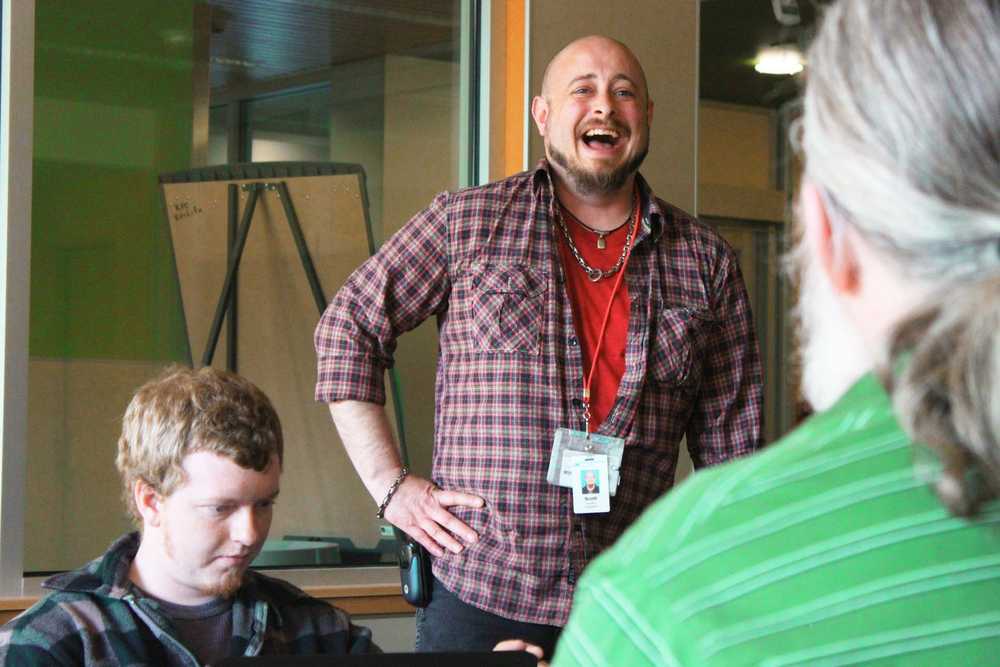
(540, 112)
(649, 111)
(147, 501)
(832, 248)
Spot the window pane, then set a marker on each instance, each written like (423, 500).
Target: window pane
(290, 127)
(127, 92)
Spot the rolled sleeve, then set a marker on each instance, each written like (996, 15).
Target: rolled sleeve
(403, 284)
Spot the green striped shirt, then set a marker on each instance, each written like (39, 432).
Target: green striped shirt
(825, 549)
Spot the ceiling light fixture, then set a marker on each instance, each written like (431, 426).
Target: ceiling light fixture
(779, 59)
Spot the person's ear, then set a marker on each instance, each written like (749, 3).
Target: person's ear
(148, 502)
(649, 111)
(831, 247)
(540, 112)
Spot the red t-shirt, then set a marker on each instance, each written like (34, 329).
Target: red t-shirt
(590, 302)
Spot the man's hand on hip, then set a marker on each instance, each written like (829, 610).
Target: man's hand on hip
(419, 508)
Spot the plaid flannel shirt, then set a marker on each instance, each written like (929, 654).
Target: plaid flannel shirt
(485, 262)
(96, 617)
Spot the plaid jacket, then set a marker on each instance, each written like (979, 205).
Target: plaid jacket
(485, 262)
(95, 617)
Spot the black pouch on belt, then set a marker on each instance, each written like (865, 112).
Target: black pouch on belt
(414, 569)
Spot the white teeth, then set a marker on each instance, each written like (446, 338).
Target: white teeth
(601, 132)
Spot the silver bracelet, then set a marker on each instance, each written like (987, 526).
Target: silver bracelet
(391, 492)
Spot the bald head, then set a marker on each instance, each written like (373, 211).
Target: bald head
(595, 43)
(593, 114)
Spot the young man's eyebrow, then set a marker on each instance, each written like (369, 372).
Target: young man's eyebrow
(221, 500)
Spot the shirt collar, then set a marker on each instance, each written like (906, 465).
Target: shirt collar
(253, 596)
(106, 575)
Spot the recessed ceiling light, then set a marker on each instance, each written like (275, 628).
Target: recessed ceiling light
(779, 59)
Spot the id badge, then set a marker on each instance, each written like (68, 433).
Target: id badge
(568, 444)
(591, 494)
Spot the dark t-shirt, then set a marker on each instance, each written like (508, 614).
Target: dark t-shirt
(205, 629)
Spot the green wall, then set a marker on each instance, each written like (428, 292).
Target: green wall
(113, 110)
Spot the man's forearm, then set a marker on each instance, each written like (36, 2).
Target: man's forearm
(364, 429)
(418, 506)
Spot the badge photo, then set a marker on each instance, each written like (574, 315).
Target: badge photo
(590, 488)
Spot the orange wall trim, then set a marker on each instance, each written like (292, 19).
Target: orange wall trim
(515, 107)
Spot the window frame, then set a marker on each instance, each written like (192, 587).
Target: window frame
(16, 165)
(17, 87)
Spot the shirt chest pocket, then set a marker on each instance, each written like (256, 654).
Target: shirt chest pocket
(508, 307)
(680, 340)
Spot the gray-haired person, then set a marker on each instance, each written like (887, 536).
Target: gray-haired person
(870, 534)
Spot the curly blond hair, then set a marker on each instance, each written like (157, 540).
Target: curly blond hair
(184, 411)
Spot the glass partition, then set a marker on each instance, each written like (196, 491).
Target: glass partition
(290, 126)
(129, 92)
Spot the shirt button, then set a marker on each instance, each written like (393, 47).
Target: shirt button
(572, 341)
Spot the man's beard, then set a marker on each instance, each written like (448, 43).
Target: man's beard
(598, 182)
(227, 584)
(223, 587)
(832, 352)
